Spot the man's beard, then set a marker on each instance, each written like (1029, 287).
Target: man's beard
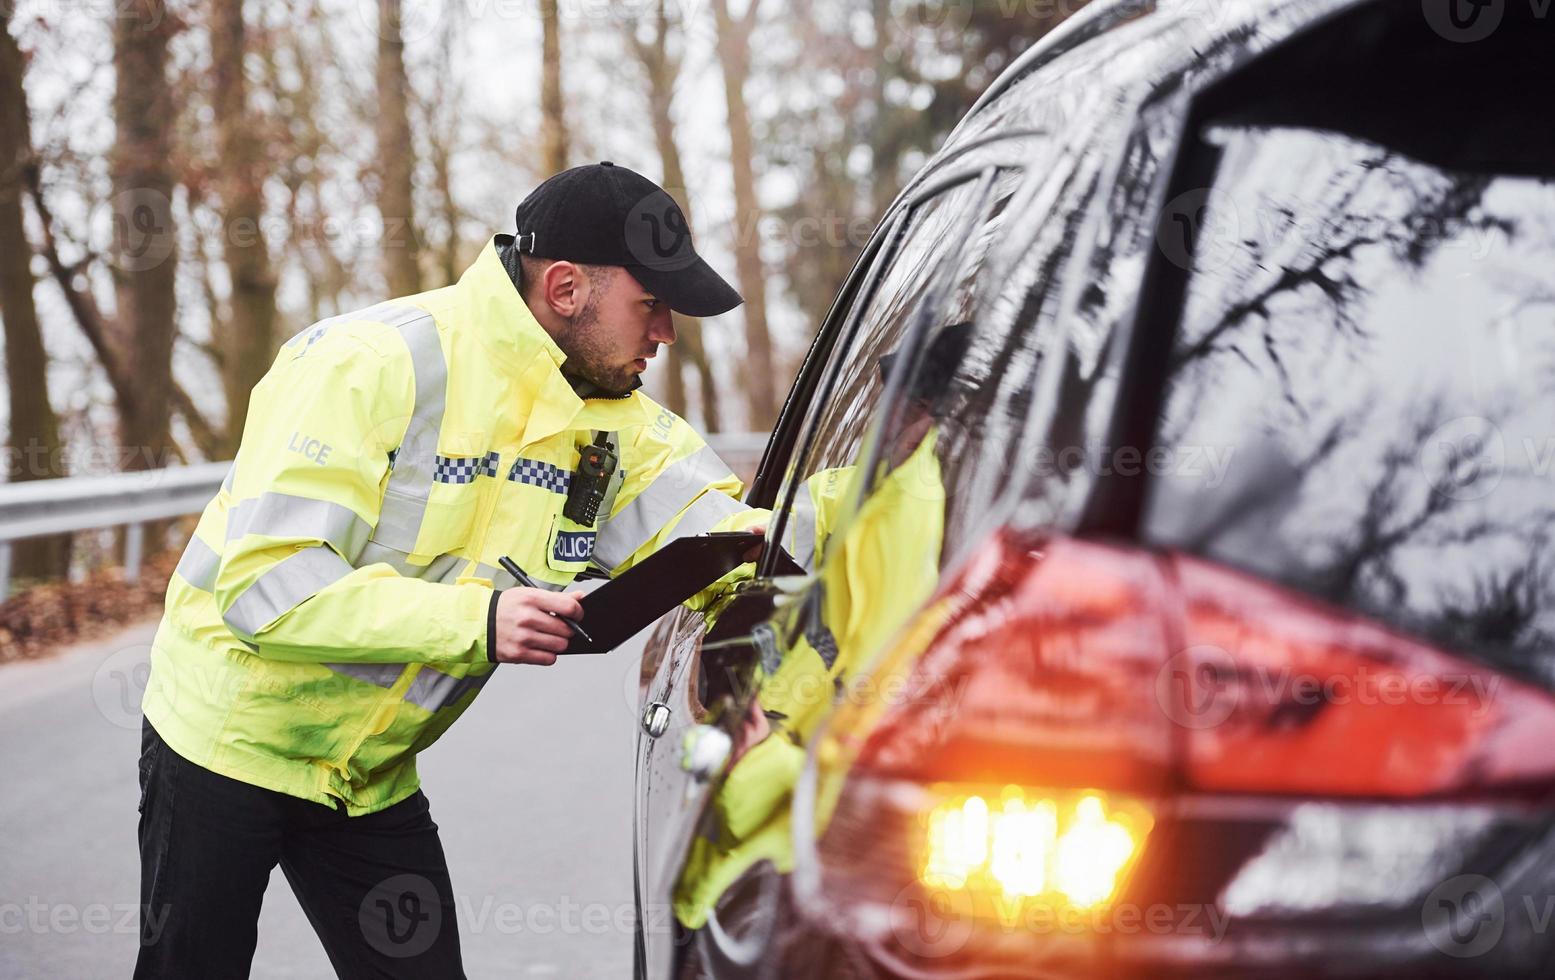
(587, 353)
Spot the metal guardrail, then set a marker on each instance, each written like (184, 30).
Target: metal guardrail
(86, 503)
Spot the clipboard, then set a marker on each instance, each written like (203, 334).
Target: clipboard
(623, 607)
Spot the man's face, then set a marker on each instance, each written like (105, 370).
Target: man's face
(616, 331)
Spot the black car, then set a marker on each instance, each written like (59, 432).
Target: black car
(1173, 471)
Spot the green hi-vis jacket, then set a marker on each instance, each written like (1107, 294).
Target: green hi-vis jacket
(328, 619)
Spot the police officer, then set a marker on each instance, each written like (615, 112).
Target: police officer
(342, 599)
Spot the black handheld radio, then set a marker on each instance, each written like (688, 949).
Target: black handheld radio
(589, 482)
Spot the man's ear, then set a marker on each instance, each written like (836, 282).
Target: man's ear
(564, 288)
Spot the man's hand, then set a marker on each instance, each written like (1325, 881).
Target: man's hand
(754, 727)
(526, 632)
(755, 551)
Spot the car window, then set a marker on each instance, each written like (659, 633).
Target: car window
(943, 244)
(870, 505)
(950, 431)
(1358, 399)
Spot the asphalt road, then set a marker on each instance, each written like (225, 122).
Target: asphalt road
(531, 788)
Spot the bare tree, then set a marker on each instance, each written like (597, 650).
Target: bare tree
(134, 346)
(306, 163)
(145, 255)
(441, 123)
(246, 338)
(396, 157)
(894, 90)
(34, 428)
(734, 56)
(663, 71)
(554, 124)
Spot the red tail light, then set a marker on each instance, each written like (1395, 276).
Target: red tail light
(1279, 694)
(1012, 759)
(1042, 674)
(1273, 758)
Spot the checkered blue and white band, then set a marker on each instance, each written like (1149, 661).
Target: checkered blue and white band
(450, 469)
(546, 476)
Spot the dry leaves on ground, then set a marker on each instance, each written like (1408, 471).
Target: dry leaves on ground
(47, 617)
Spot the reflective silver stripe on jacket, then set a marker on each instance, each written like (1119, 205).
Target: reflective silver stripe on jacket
(801, 523)
(380, 675)
(312, 333)
(410, 481)
(670, 492)
(232, 473)
(282, 588)
(283, 515)
(432, 689)
(444, 568)
(198, 565)
(706, 512)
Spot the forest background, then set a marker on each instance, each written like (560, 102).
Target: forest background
(185, 185)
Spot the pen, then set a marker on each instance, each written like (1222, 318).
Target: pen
(511, 567)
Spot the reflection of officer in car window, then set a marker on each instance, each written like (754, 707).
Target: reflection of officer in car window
(927, 405)
(882, 565)
(930, 390)
(885, 557)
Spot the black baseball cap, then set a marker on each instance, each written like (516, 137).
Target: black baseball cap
(933, 378)
(602, 214)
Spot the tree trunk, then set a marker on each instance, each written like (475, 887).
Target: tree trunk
(448, 253)
(707, 382)
(442, 123)
(144, 247)
(396, 158)
(247, 337)
(885, 147)
(307, 167)
(663, 71)
(734, 57)
(33, 439)
(554, 123)
(834, 196)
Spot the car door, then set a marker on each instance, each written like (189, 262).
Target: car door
(694, 696)
(915, 341)
(668, 797)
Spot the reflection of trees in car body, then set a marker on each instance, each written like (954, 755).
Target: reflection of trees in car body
(901, 290)
(1124, 241)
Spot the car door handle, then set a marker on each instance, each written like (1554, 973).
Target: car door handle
(656, 719)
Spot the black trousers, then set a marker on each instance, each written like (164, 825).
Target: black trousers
(376, 887)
